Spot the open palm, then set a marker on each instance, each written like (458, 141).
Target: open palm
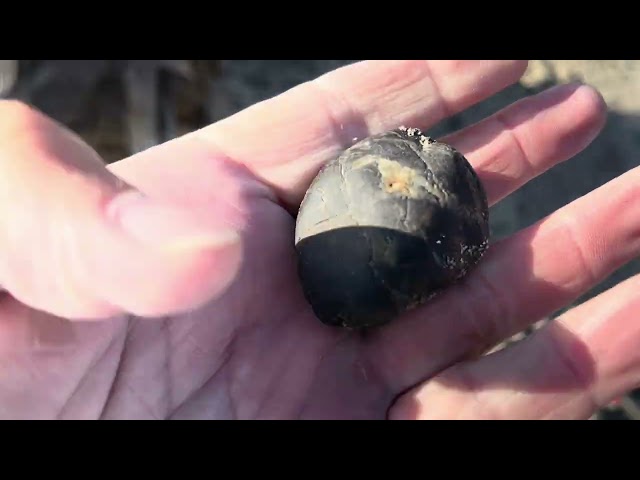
(165, 286)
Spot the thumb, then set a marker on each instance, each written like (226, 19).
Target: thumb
(76, 241)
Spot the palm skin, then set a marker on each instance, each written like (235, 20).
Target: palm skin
(246, 345)
(256, 352)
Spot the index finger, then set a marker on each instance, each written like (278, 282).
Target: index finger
(286, 139)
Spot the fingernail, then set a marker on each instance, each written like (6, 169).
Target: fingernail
(165, 227)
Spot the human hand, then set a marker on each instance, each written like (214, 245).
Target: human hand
(197, 234)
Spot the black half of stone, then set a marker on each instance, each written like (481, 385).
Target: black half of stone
(360, 277)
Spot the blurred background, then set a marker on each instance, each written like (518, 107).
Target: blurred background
(124, 106)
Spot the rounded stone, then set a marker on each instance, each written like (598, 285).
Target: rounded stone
(386, 225)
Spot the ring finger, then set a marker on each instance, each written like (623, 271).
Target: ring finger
(569, 369)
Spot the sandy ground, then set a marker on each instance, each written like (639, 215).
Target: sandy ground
(88, 97)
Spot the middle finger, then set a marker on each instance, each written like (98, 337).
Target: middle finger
(522, 141)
